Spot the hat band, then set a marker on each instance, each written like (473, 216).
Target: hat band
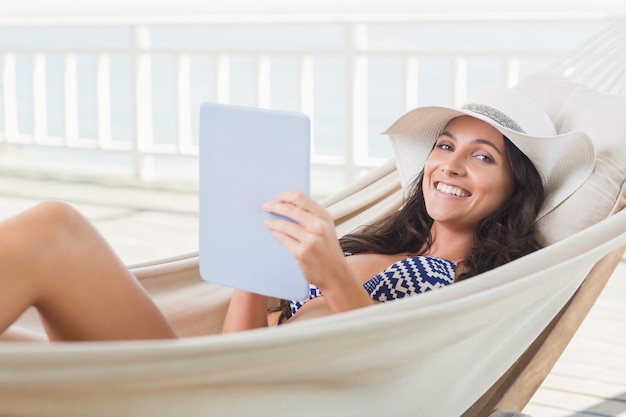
(495, 115)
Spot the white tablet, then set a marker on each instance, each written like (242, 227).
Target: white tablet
(247, 156)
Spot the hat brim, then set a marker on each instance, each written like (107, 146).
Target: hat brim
(564, 161)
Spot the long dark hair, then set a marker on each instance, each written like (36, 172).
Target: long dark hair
(501, 237)
(507, 234)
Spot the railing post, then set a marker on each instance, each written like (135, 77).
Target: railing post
(357, 95)
(103, 97)
(40, 99)
(11, 129)
(222, 79)
(185, 139)
(142, 98)
(70, 99)
(264, 81)
(307, 85)
(459, 80)
(511, 71)
(411, 83)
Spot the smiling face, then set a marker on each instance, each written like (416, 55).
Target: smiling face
(467, 175)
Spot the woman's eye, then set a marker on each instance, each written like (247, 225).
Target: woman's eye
(485, 158)
(444, 146)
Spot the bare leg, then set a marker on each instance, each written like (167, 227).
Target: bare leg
(52, 258)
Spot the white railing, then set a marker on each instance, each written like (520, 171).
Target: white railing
(353, 52)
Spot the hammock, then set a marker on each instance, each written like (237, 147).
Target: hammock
(455, 351)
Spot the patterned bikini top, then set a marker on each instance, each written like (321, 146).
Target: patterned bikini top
(407, 277)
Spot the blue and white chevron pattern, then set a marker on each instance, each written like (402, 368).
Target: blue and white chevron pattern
(411, 276)
(406, 277)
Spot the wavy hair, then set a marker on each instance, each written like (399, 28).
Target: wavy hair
(507, 234)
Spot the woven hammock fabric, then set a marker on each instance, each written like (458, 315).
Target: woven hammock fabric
(431, 355)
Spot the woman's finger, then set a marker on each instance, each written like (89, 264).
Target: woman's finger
(287, 210)
(301, 201)
(288, 228)
(288, 242)
(300, 209)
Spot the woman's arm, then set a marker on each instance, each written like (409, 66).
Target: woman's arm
(246, 311)
(312, 241)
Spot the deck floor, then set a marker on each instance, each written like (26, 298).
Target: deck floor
(147, 223)
(590, 377)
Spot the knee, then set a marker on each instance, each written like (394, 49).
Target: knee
(55, 212)
(50, 223)
(60, 219)
(39, 238)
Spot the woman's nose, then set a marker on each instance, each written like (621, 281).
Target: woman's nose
(453, 166)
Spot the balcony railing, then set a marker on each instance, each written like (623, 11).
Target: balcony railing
(133, 86)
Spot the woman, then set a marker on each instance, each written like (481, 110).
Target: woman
(472, 208)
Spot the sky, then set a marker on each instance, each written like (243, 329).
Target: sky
(47, 8)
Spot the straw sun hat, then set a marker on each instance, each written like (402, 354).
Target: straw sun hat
(564, 161)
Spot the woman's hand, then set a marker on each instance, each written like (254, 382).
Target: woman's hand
(312, 240)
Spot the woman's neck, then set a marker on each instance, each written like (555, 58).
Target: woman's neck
(450, 244)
